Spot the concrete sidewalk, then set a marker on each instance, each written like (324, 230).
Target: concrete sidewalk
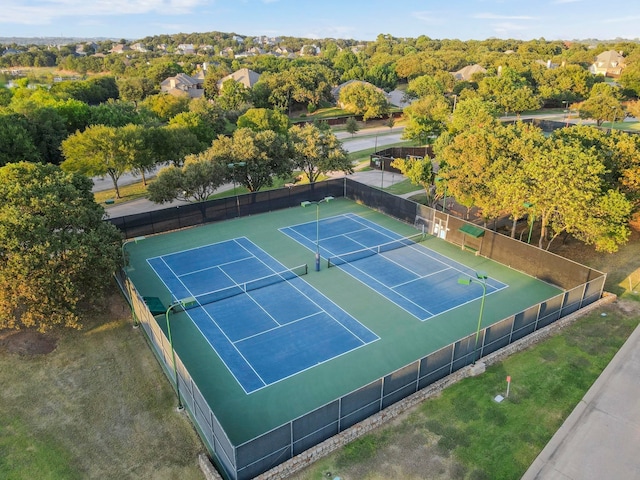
(601, 438)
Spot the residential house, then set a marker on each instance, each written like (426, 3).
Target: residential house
(186, 49)
(227, 52)
(237, 38)
(309, 50)
(466, 73)
(139, 47)
(120, 48)
(183, 84)
(244, 76)
(264, 40)
(609, 64)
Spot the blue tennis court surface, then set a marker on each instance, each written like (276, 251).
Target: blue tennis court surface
(265, 322)
(417, 279)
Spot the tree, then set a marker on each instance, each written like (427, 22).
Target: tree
(390, 122)
(634, 108)
(264, 155)
(630, 78)
(511, 91)
(115, 114)
(352, 126)
(16, 141)
(195, 181)
(99, 150)
(426, 118)
(233, 96)
(173, 144)
(5, 96)
(473, 111)
(364, 99)
(135, 89)
(420, 172)
(258, 119)
(57, 252)
(602, 105)
(166, 106)
(423, 86)
(316, 152)
(567, 192)
(467, 160)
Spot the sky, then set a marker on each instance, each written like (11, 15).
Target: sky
(348, 19)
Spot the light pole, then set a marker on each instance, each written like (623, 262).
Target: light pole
(566, 111)
(533, 218)
(128, 241)
(317, 204)
(184, 303)
(481, 278)
(124, 267)
(380, 163)
(233, 166)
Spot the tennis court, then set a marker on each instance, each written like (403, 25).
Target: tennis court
(412, 276)
(273, 361)
(262, 319)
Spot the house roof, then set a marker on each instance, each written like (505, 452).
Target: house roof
(245, 76)
(609, 59)
(181, 80)
(467, 72)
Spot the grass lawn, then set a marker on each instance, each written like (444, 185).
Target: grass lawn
(96, 406)
(127, 193)
(403, 187)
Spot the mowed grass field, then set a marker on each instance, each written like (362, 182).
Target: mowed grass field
(96, 406)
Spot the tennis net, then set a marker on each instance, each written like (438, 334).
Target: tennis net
(240, 288)
(349, 257)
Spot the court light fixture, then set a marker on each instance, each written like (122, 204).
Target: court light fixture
(307, 203)
(481, 278)
(184, 303)
(124, 267)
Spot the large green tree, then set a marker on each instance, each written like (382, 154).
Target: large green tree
(511, 91)
(426, 118)
(16, 140)
(259, 157)
(419, 171)
(317, 152)
(602, 105)
(99, 150)
(264, 119)
(195, 181)
(361, 98)
(57, 252)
